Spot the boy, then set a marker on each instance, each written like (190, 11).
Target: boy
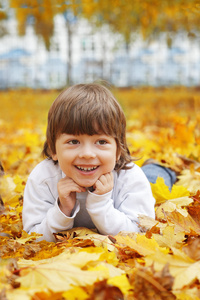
(88, 178)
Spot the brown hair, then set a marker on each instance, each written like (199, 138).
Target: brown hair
(87, 109)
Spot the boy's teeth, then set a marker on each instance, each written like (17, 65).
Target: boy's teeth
(86, 169)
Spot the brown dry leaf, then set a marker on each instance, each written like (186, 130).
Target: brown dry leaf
(84, 237)
(104, 291)
(182, 223)
(153, 230)
(72, 233)
(148, 224)
(99, 241)
(192, 248)
(11, 248)
(149, 284)
(194, 212)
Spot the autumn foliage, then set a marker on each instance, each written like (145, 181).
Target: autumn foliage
(162, 262)
(148, 18)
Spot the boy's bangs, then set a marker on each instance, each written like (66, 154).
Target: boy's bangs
(87, 122)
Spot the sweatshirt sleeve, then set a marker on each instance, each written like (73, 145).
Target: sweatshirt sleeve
(41, 213)
(118, 210)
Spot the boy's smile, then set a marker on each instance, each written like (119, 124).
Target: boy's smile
(87, 168)
(85, 158)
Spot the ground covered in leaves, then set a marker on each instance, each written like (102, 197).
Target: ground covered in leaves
(162, 262)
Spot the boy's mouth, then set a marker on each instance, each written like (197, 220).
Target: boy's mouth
(87, 169)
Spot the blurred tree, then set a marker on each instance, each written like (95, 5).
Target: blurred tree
(40, 14)
(146, 17)
(3, 16)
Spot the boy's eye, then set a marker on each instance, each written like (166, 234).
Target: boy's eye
(101, 142)
(73, 142)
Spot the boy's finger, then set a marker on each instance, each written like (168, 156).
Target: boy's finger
(77, 188)
(106, 177)
(102, 179)
(98, 185)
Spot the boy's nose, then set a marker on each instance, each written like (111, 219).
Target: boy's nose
(87, 152)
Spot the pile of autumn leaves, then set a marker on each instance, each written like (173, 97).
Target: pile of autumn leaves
(162, 262)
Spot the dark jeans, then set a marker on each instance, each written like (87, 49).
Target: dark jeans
(153, 171)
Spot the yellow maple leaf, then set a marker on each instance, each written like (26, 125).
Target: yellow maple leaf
(169, 238)
(75, 293)
(141, 245)
(61, 272)
(121, 282)
(162, 193)
(179, 263)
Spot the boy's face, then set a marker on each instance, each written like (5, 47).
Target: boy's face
(85, 158)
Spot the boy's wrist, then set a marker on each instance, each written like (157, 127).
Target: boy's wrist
(99, 197)
(101, 193)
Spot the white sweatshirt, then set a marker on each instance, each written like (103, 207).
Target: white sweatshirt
(110, 213)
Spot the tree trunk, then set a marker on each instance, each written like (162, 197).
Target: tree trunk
(69, 53)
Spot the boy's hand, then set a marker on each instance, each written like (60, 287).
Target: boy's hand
(67, 190)
(104, 184)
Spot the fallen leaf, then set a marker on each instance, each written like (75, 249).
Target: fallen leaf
(182, 223)
(162, 193)
(190, 179)
(142, 245)
(169, 238)
(152, 285)
(60, 273)
(192, 248)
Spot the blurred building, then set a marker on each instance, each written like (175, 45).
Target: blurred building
(95, 54)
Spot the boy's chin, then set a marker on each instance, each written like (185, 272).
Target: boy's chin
(89, 186)
(86, 184)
